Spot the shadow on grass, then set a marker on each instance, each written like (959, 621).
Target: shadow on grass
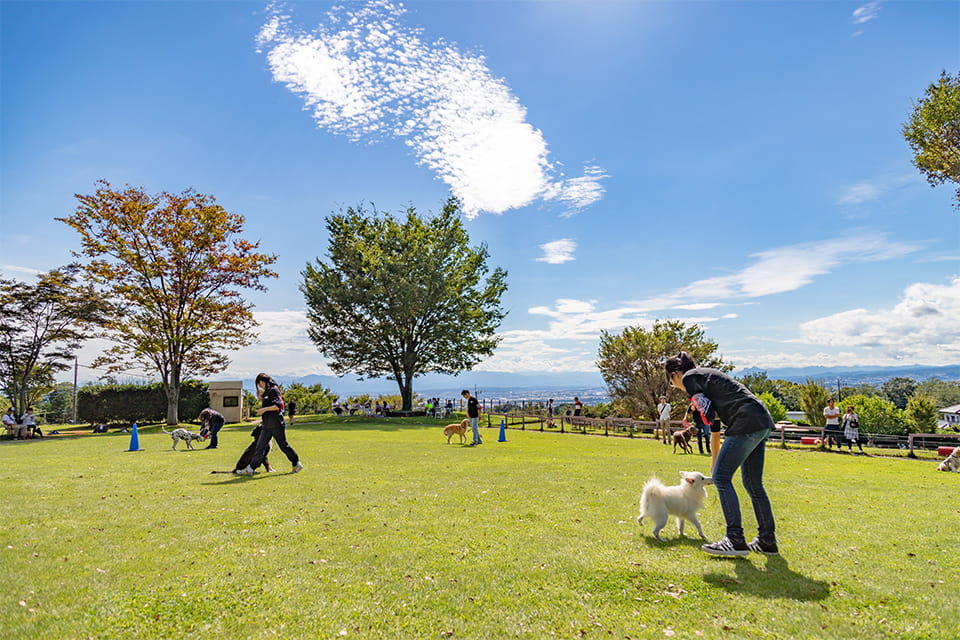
(776, 580)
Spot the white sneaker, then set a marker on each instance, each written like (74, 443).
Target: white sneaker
(245, 472)
(297, 468)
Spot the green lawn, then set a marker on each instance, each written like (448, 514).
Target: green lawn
(391, 533)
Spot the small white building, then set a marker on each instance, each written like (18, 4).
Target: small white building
(949, 418)
(227, 399)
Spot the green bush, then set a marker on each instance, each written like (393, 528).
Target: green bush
(777, 411)
(876, 415)
(126, 403)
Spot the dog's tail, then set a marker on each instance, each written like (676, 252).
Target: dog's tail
(164, 430)
(651, 489)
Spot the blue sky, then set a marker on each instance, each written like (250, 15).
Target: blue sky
(735, 164)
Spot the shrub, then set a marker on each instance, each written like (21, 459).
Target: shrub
(116, 403)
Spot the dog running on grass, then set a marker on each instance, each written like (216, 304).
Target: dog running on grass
(247, 454)
(682, 438)
(459, 428)
(182, 434)
(952, 462)
(684, 500)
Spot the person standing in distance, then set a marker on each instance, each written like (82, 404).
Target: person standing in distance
(273, 426)
(748, 426)
(663, 419)
(473, 413)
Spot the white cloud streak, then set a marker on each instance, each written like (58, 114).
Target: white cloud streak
(923, 325)
(558, 251)
(865, 13)
(365, 75)
(784, 269)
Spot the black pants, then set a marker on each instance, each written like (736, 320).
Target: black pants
(278, 432)
(214, 430)
(703, 433)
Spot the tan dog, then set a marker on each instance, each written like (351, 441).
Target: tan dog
(459, 428)
(952, 462)
(682, 438)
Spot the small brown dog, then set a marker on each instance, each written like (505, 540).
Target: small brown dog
(459, 428)
(682, 438)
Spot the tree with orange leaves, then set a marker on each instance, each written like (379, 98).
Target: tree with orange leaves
(172, 267)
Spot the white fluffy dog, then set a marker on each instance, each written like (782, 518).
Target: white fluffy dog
(659, 502)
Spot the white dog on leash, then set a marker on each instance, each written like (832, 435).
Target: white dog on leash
(659, 502)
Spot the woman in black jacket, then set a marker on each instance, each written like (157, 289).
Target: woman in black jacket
(748, 426)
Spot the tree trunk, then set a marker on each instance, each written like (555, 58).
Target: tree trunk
(173, 400)
(406, 391)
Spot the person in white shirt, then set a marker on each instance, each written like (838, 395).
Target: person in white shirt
(663, 419)
(831, 433)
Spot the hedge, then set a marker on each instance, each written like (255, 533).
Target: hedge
(127, 403)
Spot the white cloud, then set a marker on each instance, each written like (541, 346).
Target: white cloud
(363, 74)
(558, 251)
(10, 268)
(860, 193)
(865, 13)
(283, 344)
(922, 327)
(784, 269)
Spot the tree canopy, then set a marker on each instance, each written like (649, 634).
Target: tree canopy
(172, 267)
(43, 324)
(401, 297)
(933, 132)
(632, 363)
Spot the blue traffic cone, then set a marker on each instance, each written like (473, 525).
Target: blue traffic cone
(503, 431)
(134, 439)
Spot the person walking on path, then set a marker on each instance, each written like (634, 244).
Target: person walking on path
(851, 429)
(748, 426)
(473, 413)
(212, 422)
(273, 426)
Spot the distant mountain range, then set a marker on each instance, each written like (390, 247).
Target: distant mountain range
(589, 384)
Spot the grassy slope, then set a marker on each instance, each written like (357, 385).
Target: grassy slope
(389, 532)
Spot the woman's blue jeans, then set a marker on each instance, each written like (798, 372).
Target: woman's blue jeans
(746, 453)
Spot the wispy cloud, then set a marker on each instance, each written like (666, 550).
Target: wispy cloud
(558, 251)
(11, 268)
(784, 269)
(874, 189)
(864, 14)
(860, 193)
(923, 326)
(365, 75)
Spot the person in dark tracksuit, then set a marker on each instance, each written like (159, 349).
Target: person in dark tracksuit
(212, 422)
(273, 426)
(748, 426)
(473, 413)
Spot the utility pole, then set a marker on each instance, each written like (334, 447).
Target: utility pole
(76, 367)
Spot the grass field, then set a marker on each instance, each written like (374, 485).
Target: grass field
(391, 533)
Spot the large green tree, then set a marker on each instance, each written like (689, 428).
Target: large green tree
(813, 398)
(921, 414)
(173, 267)
(944, 393)
(403, 296)
(899, 390)
(43, 324)
(631, 363)
(933, 132)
